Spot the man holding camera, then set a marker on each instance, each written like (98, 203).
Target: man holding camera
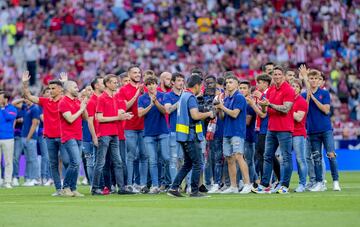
(189, 134)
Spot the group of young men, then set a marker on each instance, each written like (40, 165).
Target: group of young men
(139, 136)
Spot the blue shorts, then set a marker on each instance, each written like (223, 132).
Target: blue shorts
(233, 145)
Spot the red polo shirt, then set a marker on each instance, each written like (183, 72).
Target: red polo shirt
(108, 106)
(300, 104)
(51, 117)
(91, 109)
(126, 93)
(279, 121)
(73, 130)
(121, 124)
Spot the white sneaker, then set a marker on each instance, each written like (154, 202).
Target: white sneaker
(214, 189)
(188, 190)
(84, 181)
(15, 182)
(7, 185)
(246, 189)
(336, 186)
(1, 181)
(154, 190)
(230, 190)
(29, 183)
(48, 183)
(36, 182)
(318, 187)
(241, 185)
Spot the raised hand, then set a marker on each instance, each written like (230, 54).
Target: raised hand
(303, 71)
(25, 76)
(63, 77)
(83, 104)
(264, 102)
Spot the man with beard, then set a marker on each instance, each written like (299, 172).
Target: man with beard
(165, 82)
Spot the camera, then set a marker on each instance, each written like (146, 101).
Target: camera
(204, 104)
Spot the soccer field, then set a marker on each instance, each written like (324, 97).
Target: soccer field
(35, 207)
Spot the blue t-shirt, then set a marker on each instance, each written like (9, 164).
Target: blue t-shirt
(235, 126)
(7, 118)
(18, 125)
(154, 120)
(86, 131)
(172, 98)
(264, 125)
(316, 120)
(250, 129)
(31, 113)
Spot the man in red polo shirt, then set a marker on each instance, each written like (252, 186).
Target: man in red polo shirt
(278, 105)
(51, 124)
(108, 115)
(134, 129)
(71, 111)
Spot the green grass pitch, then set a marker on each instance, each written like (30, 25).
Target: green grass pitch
(35, 207)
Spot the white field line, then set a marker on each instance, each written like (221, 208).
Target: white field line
(121, 199)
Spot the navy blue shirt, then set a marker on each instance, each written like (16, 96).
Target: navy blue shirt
(317, 121)
(86, 132)
(41, 125)
(7, 118)
(250, 129)
(172, 98)
(31, 113)
(235, 126)
(219, 131)
(18, 125)
(192, 104)
(154, 121)
(264, 125)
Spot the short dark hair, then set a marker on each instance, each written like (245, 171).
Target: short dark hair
(264, 77)
(108, 77)
(194, 80)
(228, 73)
(6, 94)
(220, 81)
(231, 77)
(177, 75)
(197, 71)
(56, 82)
(95, 81)
(210, 77)
(278, 67)
(245, 82)
(266, 64)
(132, 66)
(150, 80)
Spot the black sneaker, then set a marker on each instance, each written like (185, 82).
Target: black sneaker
(125, 192)
(203, 189)
(144, 190)
(199, 195)
(174, 193)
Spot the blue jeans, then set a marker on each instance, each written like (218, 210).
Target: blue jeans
(176, 155)
(32, 164)
(214, 162)
(192, 161)
(273, 141)
(108, 144)
(152, 145)
(89, 150)
(299, 146)
(136, 152)
(250, 160)
(73, 149)
(316, 141)
(56, 150)
(45, 165)
(18, 149)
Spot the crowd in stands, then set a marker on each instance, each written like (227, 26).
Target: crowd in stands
(96, 37)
